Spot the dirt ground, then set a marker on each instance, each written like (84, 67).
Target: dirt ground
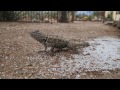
(21, 57)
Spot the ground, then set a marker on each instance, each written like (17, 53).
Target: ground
(22, 57)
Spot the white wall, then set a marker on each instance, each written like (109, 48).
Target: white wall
(107, 13)
(116, 17)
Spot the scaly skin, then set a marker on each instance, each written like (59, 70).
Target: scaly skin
(55, 41)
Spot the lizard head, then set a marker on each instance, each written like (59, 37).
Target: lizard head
(37, 35)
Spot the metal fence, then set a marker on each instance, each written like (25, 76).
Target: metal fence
(39, 16)
(29, 16)
(83, 16)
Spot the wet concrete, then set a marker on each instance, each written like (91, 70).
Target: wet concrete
(102, 54)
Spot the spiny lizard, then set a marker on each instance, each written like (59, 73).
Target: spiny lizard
(55, 41)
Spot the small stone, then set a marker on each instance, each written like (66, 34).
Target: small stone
(105, 72)
(84, 74)
(64, 77)
(72, 76)
(37, 78)
(2, 65)
(77, 76)
(88, 54)
(118, 59)
(6, 57)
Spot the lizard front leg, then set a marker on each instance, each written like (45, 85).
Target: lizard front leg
(52, 49)
(45, 48)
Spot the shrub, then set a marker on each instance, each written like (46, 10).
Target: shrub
(11, 15)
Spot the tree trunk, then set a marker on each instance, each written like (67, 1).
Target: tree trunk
(103, 16)
(73, 15)
(63, 17)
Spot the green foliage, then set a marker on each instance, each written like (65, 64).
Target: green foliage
(96, 13)
(109, 17)
(90, 18)
(11, 15)
(42, 14)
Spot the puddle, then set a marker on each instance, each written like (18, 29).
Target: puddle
(102, 54)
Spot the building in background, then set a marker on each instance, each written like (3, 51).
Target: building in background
(115, 15)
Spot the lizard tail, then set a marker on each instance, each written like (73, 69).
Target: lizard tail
(76, 45)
